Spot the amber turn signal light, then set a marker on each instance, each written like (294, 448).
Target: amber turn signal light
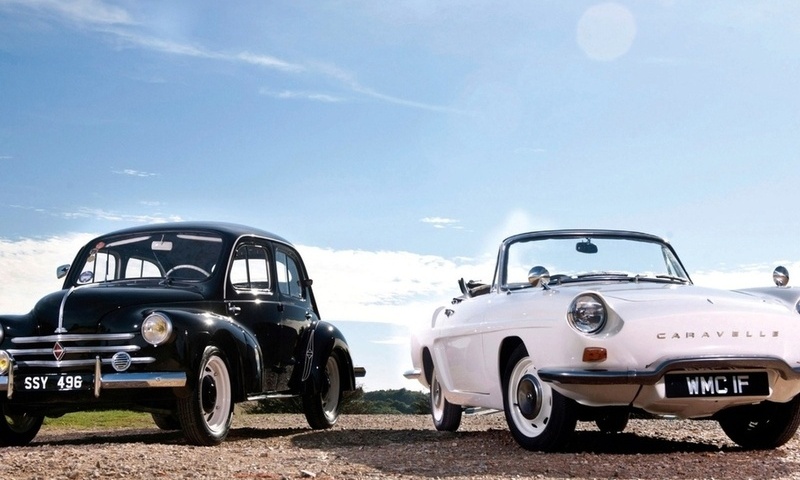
(594, 354)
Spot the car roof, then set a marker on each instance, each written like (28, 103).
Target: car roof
(577, 233)
(230, 230)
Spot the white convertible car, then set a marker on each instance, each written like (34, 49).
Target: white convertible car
(596, 325)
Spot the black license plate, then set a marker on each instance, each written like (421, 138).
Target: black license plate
(716, 384)
(55, 382)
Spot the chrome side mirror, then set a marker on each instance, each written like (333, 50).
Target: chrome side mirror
(538, 275)
(62, 271)
(780, 276)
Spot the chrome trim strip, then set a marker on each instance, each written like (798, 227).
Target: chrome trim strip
(412, 374)
(77, 363)
(61, 328)
(574, 376)
(143, 380)
(98, 375)
(75, 337)
(67, 350)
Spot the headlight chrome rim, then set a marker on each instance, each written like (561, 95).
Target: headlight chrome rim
(157, 328)
(5, 362)
(587, 314)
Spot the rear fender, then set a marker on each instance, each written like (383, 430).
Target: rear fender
(319, 342)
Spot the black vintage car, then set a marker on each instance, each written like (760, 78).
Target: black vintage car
(181, 320)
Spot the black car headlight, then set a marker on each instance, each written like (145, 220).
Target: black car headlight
(156, 328)
(587, 313)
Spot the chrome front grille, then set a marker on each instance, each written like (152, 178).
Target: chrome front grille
(57, 351)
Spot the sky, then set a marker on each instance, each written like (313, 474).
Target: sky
(397, 143)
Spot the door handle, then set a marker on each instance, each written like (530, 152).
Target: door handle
(309, 316)
(233, 309)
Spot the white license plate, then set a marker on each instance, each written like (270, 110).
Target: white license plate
(55, 382)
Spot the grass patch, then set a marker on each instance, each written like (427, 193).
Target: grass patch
(103, 419)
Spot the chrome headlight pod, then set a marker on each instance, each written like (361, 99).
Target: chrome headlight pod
(156, 328)
(587, 313)
(5, 362)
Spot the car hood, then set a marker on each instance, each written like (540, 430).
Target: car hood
(688, 297)
(82, 309)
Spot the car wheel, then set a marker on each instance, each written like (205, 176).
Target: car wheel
(612, 422)
(18, 429)
(322, 409)
(169, 421)
(206, 414)
(763, 426)
(539, 417)
(446, 416)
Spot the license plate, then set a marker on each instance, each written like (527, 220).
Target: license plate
(716, 384)
(55, 382)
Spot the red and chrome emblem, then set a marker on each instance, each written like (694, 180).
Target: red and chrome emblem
(58, 351)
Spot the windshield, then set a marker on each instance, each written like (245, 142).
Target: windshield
(183, 256)
(588, 258)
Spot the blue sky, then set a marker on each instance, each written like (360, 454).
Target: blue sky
(398, 142)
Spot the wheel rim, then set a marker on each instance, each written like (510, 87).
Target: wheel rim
(330, 398)
(215, 394)
(531, 399)
(437, 399)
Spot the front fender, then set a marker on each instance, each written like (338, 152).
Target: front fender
(319, 342)
(195, 330)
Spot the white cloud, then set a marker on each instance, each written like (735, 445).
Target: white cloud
(606, 31)
(100, 214)
(441, 222)
(28, 268)
(92, 12)
(292, 95)
(134, 173)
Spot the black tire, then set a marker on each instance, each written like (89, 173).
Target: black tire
(763, 426)
(446, 416)
(169, 421)
(539, 418)
(205, 416)
(612, 422)
(322, 409)
(18, 429)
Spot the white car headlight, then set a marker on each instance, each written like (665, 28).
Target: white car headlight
(156, 328)
(587, 313)
(5, 362)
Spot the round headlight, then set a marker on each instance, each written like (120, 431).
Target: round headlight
(5, 362)
(587, 313)
(156, 328)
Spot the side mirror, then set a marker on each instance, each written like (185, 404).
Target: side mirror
(780, 276)
(586, 247)
(62, 271)
(538, 275)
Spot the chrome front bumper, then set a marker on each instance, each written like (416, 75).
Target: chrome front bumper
(117, 380)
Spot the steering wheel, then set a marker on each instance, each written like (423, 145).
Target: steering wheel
(189, 267)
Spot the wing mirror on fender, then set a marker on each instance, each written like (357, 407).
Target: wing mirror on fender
(780, 276)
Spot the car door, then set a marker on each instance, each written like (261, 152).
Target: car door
(252, 299)
(297, 311)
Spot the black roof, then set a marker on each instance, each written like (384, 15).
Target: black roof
(233, 230)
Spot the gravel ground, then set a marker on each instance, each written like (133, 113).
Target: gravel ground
(394, 446)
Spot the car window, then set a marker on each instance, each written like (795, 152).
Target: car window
(180, 256)
(288, 275)
(583, 258)
(141, 268)
(250, 268)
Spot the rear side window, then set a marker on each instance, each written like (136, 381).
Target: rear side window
(250, 269)
(289, 275)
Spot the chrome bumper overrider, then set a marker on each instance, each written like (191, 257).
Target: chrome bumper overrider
(113, 380)
(412, 374)
(574, 376)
